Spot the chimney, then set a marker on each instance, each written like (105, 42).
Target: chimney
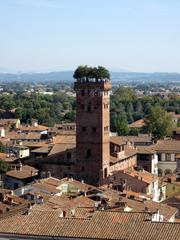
(48, 174)
(10, 201)
(73, 212)
(146, 209)
(20, 166)
(40, 200)
(13, 167)
(63, 214)
(157, 211)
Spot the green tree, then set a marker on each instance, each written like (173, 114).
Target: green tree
(125, 94)
(70, 116)
(102, 73)
(80, 72)
(85, 73)
(159, 122)
(120, 124)
(138, 106)
(133, 132)
(2, 148)
(4, 167)
(130, 117)
(129, 107)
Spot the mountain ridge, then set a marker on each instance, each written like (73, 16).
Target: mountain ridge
(68, 76)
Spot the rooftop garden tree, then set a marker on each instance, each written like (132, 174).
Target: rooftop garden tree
(85, 73)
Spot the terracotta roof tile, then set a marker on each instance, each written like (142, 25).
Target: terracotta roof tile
(62, 147)
(137, 124)
(4, 121)
(141, 138)
(167, 146)
(3, 155)
(67, 139)
(146, 149)
(101, 225)
(38, 128)
(26, 172)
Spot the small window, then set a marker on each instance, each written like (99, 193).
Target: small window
(68, 155)
(89, 108)
(82, 169)
(105, 172)
(82, 107)
(106, 106)
(94, 129)
(106, 128)
(96, 106)
(88, 154)
(84, 129)
(82, 92)
(159, 157)
(168, 157)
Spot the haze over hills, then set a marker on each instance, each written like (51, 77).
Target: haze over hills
(68, 76)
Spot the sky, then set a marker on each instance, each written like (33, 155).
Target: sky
(57, 35)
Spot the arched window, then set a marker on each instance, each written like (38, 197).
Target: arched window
(167, 172)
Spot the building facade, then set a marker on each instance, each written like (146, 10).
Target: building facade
(92, 129)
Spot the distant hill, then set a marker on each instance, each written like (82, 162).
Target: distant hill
(37, 77)
(145, 77)
(68, 76)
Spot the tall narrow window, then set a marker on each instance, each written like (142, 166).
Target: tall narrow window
(94, 129)
(68, 155)
(84, 129)
(89, 108)
(105, 172)
(88, 154)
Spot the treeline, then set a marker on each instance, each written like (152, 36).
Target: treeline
(48, 109)
(126, 108)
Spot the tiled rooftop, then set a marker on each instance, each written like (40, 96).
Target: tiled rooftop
(167, 146)
(25, 172)
(101, 225)
(137, 124)
(141, 138)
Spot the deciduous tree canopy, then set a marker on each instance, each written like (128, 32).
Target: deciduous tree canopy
(159, 122)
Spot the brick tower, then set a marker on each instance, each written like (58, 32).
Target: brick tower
(92, 129)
